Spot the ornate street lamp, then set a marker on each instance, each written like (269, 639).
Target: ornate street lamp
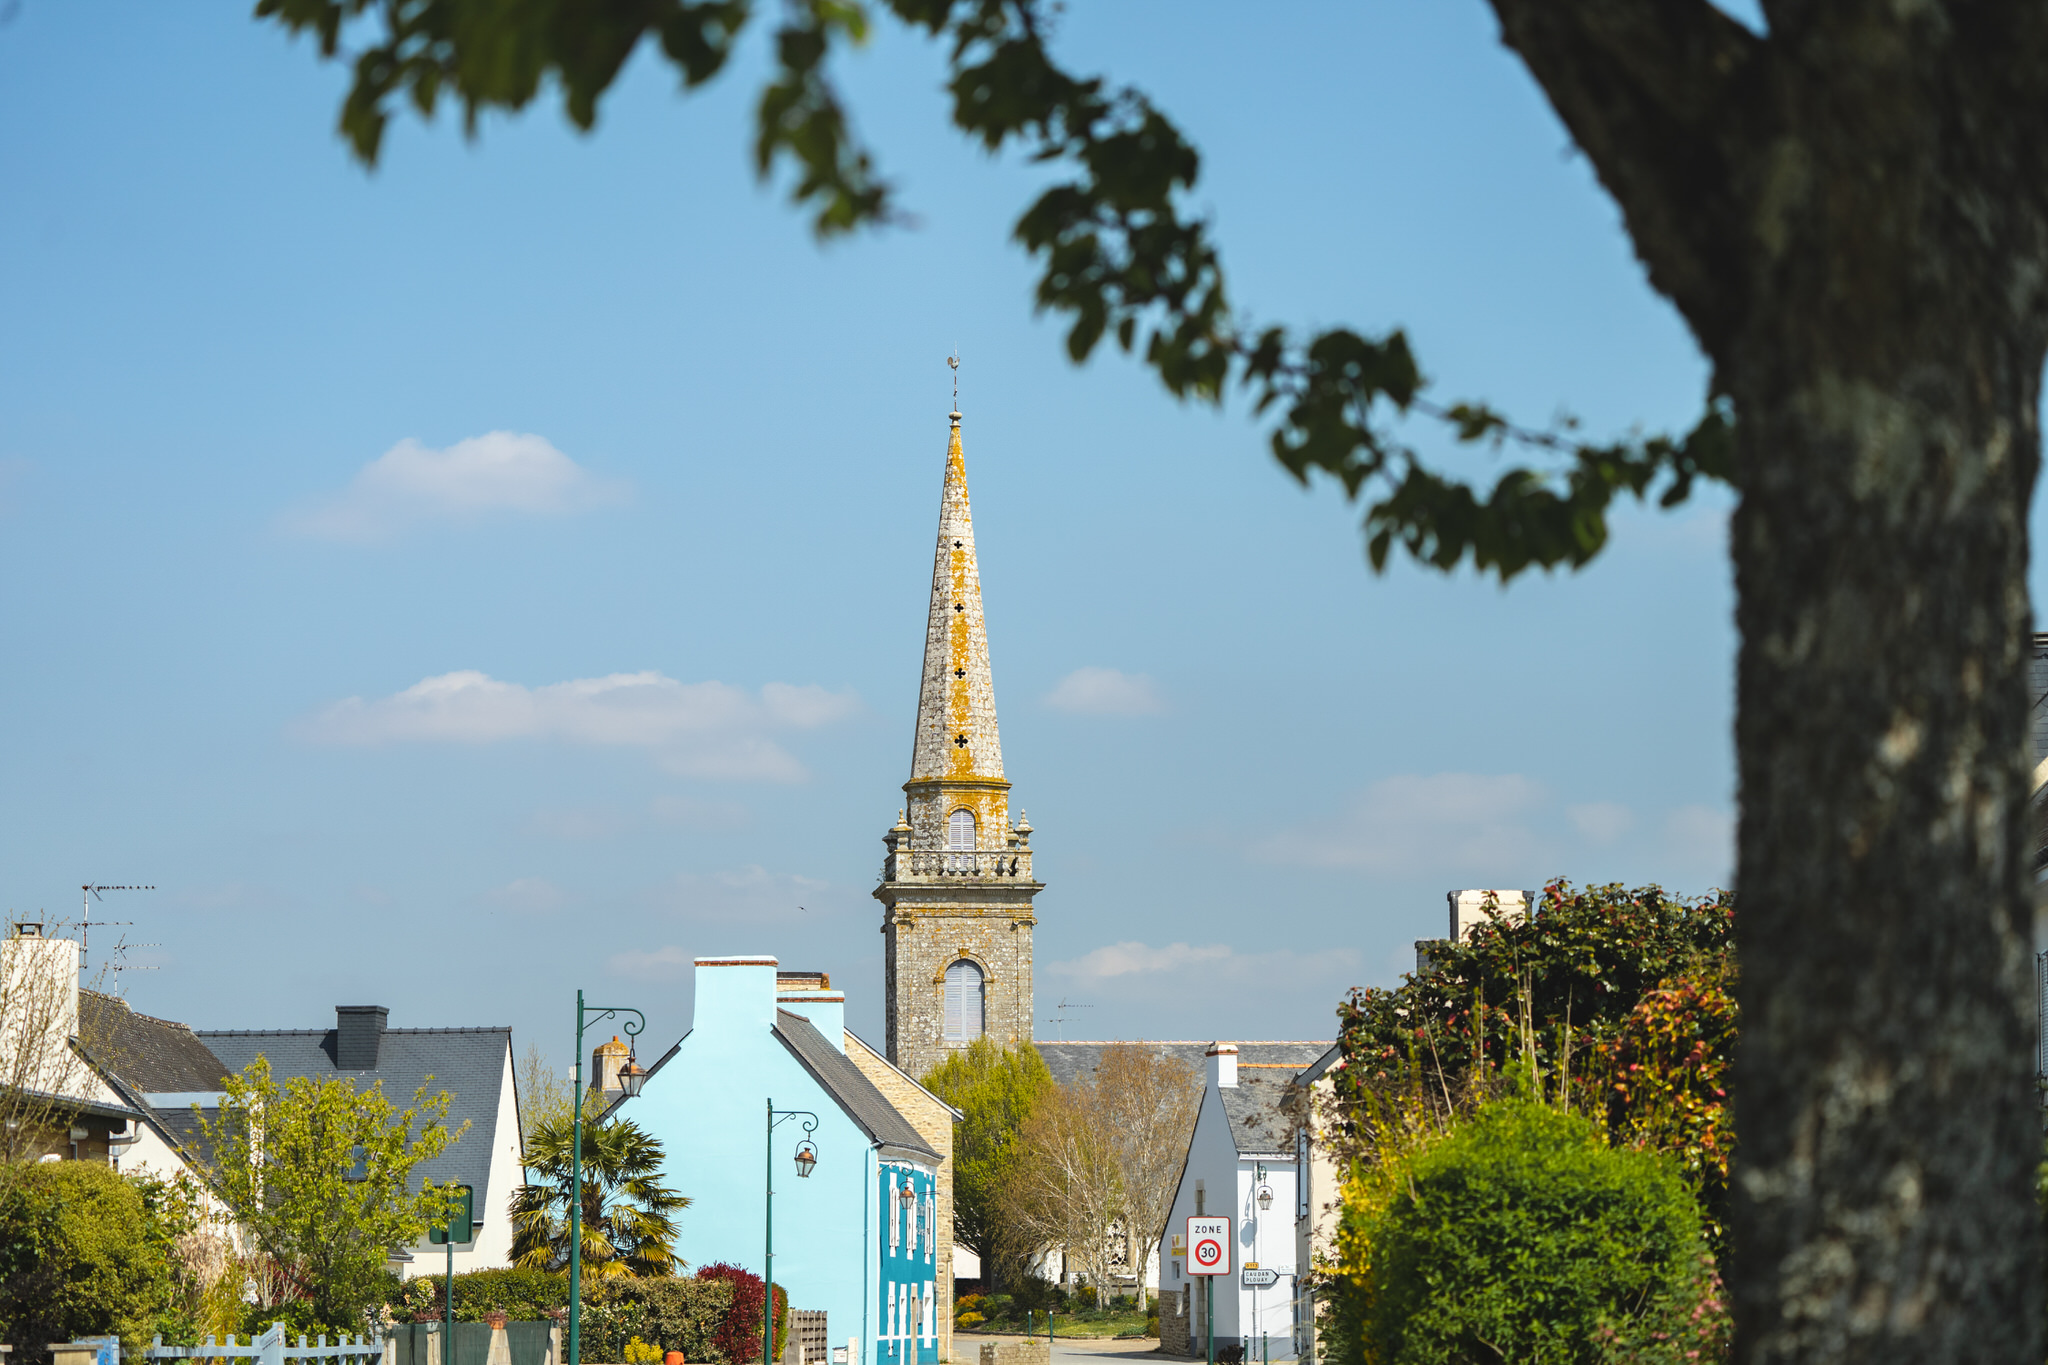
(906, 1196)
(1265, 1197)
(806, 1158)
(630, 1080)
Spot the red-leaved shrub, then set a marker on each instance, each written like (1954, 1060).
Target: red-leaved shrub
(740, 1338)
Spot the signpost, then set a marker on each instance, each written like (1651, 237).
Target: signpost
(1255, 1278)
(1209, 1241)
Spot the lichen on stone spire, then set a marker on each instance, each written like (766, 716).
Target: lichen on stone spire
(956, 705)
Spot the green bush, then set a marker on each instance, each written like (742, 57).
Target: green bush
(665, 1311)
(1523, 1236)
(84, 1252)
(522, 1295)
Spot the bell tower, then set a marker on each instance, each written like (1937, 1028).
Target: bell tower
(956, 882)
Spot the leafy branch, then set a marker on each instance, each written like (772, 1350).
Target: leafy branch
(1120, 259)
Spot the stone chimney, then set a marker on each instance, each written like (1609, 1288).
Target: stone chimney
(358, 1036)
(1468, 908)
(811, 995)
(607, 1060)
(1223, 1066)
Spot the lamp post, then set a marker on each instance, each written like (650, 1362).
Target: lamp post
(806, 1158)
(1263, 1197)
(631, 1077)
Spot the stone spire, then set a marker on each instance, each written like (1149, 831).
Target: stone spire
(956, 886)
(956, 705)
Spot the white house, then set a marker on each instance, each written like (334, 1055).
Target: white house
(1245, 1161)
(474, 1065)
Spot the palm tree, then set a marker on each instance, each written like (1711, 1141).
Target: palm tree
(628, 1214)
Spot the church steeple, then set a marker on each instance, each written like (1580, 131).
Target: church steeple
(956, 705)
(957, 882)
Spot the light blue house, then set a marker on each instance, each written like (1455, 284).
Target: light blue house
(857, 1237)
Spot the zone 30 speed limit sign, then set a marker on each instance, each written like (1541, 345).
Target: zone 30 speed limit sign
(1208, 1246)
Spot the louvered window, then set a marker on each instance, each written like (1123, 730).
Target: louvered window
(960, 831)
(963, 1001)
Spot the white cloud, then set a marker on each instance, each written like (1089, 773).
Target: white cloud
(1172, 975)
(498, 472)
(1602, 822)
(1095, 691)
(706, 729)
(528, 895)
(1470, 824)
(1140, 959)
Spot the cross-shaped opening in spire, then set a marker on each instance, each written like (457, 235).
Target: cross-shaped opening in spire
(959, 672)
(960, 741)
(956, 544)
(958, 607)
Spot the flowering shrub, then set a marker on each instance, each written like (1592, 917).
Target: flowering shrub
(1662, 1079)
(1580, 963)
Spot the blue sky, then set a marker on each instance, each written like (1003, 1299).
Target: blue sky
(281, 442)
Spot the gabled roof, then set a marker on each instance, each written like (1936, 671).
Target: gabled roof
(469, 1063)
(855, 1094)
(1265, 1076)
(153, 1056)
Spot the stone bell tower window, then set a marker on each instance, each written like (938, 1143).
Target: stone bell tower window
(960, 831)
(963, 1001)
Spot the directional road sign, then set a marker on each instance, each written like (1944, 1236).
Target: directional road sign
(1209, 1246)
(1259, 1279)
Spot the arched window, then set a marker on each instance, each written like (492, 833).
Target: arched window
(963, 1001)
(960, 831)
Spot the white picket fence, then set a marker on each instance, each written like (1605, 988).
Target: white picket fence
(272, 1348)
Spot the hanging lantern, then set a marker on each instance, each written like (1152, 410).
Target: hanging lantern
(806, 1157)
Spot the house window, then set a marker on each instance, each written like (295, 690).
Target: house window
(960, 831)
(963, 1001)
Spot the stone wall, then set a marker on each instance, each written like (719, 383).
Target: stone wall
(922, 942)
(1174, 1337)
(1029, 1351)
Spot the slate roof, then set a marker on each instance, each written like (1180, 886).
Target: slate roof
(849, 1086)
(154, 1056)
(469, 1063)
(1256, 1107)
(141, 1055)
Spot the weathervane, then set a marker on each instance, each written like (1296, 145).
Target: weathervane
(954, 361)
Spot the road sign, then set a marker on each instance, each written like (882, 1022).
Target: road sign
(1209, 1246)
(1255, 1278)
(461, 1214)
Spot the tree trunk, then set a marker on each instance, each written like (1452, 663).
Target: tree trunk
(1886, 1115)
(1849, 211)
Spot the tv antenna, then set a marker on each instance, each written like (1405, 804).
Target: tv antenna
(87, 894)
(1059, 1021)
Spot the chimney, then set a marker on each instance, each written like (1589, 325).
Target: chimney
(1468, 908)
(811, 995)
(1223, 1066)
(735, 994)
(607, 1060)
(358, 1035)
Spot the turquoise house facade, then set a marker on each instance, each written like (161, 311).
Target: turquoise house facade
(856, 1237)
